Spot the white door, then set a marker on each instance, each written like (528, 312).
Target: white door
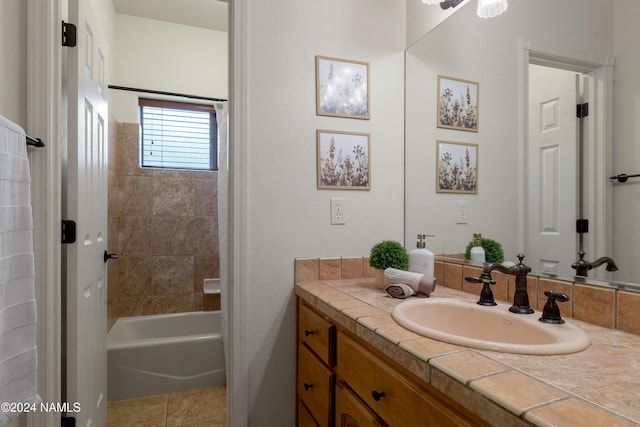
(86, 329)
(552, 175)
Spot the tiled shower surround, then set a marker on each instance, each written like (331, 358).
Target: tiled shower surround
(163, 225)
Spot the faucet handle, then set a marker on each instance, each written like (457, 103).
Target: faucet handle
(486, 294)
(551, 311)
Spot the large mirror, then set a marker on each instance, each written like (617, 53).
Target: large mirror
(527, 189)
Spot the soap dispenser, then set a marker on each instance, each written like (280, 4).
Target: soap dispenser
(421, 259)
(477, 251)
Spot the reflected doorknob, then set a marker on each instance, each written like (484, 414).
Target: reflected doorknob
(108, 256)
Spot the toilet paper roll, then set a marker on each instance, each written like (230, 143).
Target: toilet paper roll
(418, 282)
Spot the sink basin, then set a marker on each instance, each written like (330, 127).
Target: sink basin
(463, 322)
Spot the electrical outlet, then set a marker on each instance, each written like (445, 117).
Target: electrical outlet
(462, 213)
(337, 211)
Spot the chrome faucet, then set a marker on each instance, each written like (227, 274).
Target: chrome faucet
(520, 270)
(581, 266)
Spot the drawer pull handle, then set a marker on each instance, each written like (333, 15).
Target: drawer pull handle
(377, 395)
(307, 386)
(308, 332)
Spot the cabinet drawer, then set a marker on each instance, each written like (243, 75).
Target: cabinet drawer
(392, 396)
(317, 333)
(351, 412)
(315, 386)
(304, 416)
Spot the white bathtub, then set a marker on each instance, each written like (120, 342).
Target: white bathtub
(164, 353)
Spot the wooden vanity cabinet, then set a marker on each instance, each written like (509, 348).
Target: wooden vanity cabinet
(342, 381)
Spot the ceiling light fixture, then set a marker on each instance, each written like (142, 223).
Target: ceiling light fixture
(486, 8)
(491, 8)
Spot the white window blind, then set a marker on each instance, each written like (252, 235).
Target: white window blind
(178, 135)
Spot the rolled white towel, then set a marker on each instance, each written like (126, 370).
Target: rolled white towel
(418, 283)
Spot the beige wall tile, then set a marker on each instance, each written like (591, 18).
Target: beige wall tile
(172, 275)
(502, 289)
(202, 232)
(205, 197)
(306, 269)
(160, 214)
(133, 196)
(134, 235)
(594, 305)
(134, 275)
(438, 270)
(172, 196)
(330, 268)
(352, 268)
(169, 236)
(628, 312)
(452, 276)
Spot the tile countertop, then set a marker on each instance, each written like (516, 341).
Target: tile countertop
(598, 386)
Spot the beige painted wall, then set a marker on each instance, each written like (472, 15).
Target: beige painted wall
(287, 216)
(157, 55)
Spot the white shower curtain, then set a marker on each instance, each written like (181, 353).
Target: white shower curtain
(222, 116)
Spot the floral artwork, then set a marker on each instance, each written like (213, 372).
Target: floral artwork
(343, 160)
(342, 88)
(457, 104)
(457, 168)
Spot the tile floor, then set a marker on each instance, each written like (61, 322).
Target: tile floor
(201, 407)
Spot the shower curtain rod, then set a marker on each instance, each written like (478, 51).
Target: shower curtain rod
(161, 92)
(35, 142)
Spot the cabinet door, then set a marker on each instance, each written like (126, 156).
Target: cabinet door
(351, 412)
(315, 386)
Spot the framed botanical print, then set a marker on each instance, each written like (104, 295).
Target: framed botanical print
(343, 160)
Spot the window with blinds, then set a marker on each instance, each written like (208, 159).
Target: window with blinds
(178, 135)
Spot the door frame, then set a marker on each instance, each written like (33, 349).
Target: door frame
(598, 145)
(43, 120)
(237, 201)
(44, 82)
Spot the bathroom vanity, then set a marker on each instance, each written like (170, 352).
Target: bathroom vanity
(357, 367)
(368, 388)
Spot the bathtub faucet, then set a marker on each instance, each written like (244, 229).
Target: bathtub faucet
(520, 270)
(581, 266)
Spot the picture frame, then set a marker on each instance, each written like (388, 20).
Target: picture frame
(343, 160)
(458, 104)
(342, 88)
(456, 167)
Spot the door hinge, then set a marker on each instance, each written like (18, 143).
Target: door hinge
(68, 231)
(68, 34)
(582, 110)
(582, 226)
(67, 421)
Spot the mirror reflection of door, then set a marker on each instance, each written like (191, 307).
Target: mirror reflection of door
(566, 160)
(552, 174)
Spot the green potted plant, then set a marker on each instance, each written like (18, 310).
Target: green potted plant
(492, 250)
(387, 254)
